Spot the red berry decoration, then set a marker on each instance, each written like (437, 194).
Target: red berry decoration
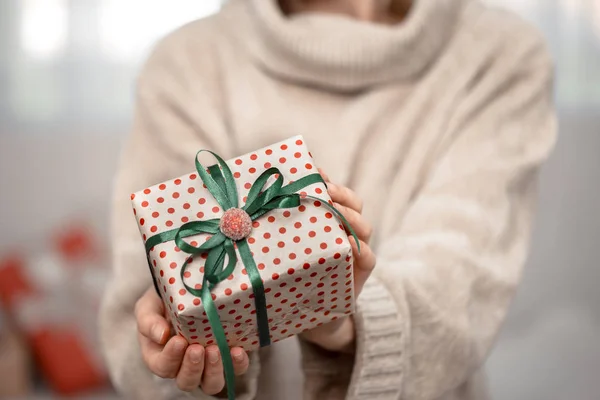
(236, 224)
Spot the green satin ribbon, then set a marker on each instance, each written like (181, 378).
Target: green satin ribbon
(221, 185)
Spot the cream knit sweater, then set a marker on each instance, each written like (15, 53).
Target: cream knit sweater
(439, 123)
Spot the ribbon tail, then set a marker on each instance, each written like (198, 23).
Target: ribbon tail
(219, 333)
(260, 302)
(341, 217)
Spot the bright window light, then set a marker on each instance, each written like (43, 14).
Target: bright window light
(128, 27)
(44, 27)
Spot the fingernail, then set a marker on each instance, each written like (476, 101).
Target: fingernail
(157, 333)
(239, 357)
(196, 356)
(213, 356)
(179, 346)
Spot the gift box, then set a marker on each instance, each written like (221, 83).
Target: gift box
(288, 267)
(55, 313)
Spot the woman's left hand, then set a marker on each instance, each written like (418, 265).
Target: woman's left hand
(339, 335)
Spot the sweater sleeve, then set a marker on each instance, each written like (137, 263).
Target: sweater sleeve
(452, 264)
(447, 271)
(171, 124)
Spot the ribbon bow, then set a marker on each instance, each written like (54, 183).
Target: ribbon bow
(222, 244)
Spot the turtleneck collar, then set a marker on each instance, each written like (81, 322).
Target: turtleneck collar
(345, 54)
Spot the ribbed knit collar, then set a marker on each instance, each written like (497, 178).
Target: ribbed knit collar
(341, 53)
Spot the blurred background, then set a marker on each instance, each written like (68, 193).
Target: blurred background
(67, 71)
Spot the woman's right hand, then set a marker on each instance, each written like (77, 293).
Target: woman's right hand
(171, 357)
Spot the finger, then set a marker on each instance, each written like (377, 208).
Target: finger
(240, 360)
(149, 311)
(345, 196)
(324, 175)
(358, 223)
(166, 362)
(213, 380)
(190, 373)
(364, 263)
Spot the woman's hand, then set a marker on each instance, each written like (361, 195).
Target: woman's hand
(339, 335)
(171, 357)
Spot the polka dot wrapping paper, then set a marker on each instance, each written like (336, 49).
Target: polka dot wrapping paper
(303, 254)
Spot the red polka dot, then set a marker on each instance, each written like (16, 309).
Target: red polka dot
(317, 203)
(162, 273)
(186, 206)
(253, 157)
(215, 209)
(265, 249)
(145, 203)
(306, 266)
(292, 256)
(196, 302)
(302, 208)
(327, 229)
(298, 225)
(281, 245)
(328, 215)
(247, 185)
(228, 292)
(308, 166)
(275, 276)
(268, 152)
(291, 271)
(271, 219)
(339, 241)
(193, 176)
(191, 190)
(261, 266)
(182, 292)
(187, 274)
(184, 219)
(180, 307)
(282, 160)
(236, 175)
(287, 214)
(323, 245)
(252, 170)
(312, 234)
(298, 325)
(267, 165)
(154, 229)
(160, 200)
(200, 214)
(244, 286)
(293, 170)
(132, 196)
(173, 265)
(162, 186)
(147, 191)
(322, 261)
(175, 195)
(142, 221)
(201, 200)
(177, 181)
(299, 143)
(284, 147)
(238, 162)
(171, 280)
(298, 155)
(318, 190)
(313, 219)
(307, 250)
